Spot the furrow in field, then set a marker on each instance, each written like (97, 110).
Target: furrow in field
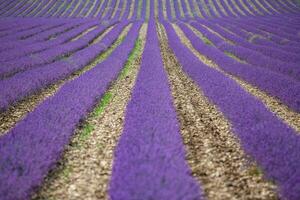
(27, 158)
(172, 9)
(29, 82)
(86, 8)
(169, 12)
(101, 9)
(37, 9)
(29, 8)
(213, 151)
(74, 10)
(49, 38)
(116, 10)
(79, 9)
(188, 4)
(23, 8)
(88, 158)
(263, 136)
(260, 37)
(93, 7)
(244, 8)
(54, 53)
(196, 10)
(131, 10)
(150, 158)
(162, 10)
(6, 5)
(285, 89)
(268, 51)
(124, 10)
(249, 56)
(53, 9)
(220, 8)
(45, 9)
(284, 32)
(253, 7)
(17, 112)
(20, 30)
(289, 116)
(203, 9)
(69, 8)
(179, 9)
(14, 7)
(34, 46)
(106, 10)
(60, 8)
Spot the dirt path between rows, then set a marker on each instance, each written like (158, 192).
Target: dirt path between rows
(213, 152)
(85, 169)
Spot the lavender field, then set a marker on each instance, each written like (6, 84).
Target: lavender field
(150, 99)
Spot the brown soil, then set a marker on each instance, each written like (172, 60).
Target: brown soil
(213, 153)
(17, 112)
(85, 169)
(288, 116)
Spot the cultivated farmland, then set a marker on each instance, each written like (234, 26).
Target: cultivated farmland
(150, 99)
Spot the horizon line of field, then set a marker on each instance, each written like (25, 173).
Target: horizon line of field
(184, 9)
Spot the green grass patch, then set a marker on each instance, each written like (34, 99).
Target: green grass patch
(86, 131)
(87, 128)
(66, 172)
(234, 57)
(201, 36)
(132, 56)
(254, 171)
(68, 6)
(103, 103)
(206, 41)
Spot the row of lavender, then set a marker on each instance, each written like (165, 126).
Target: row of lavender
(26, 158)
(150, 159)
(275, 71)
(100, 9)
(263, 136)
(277, 49)
(37, 53)
(269, 50)
(184, 9)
